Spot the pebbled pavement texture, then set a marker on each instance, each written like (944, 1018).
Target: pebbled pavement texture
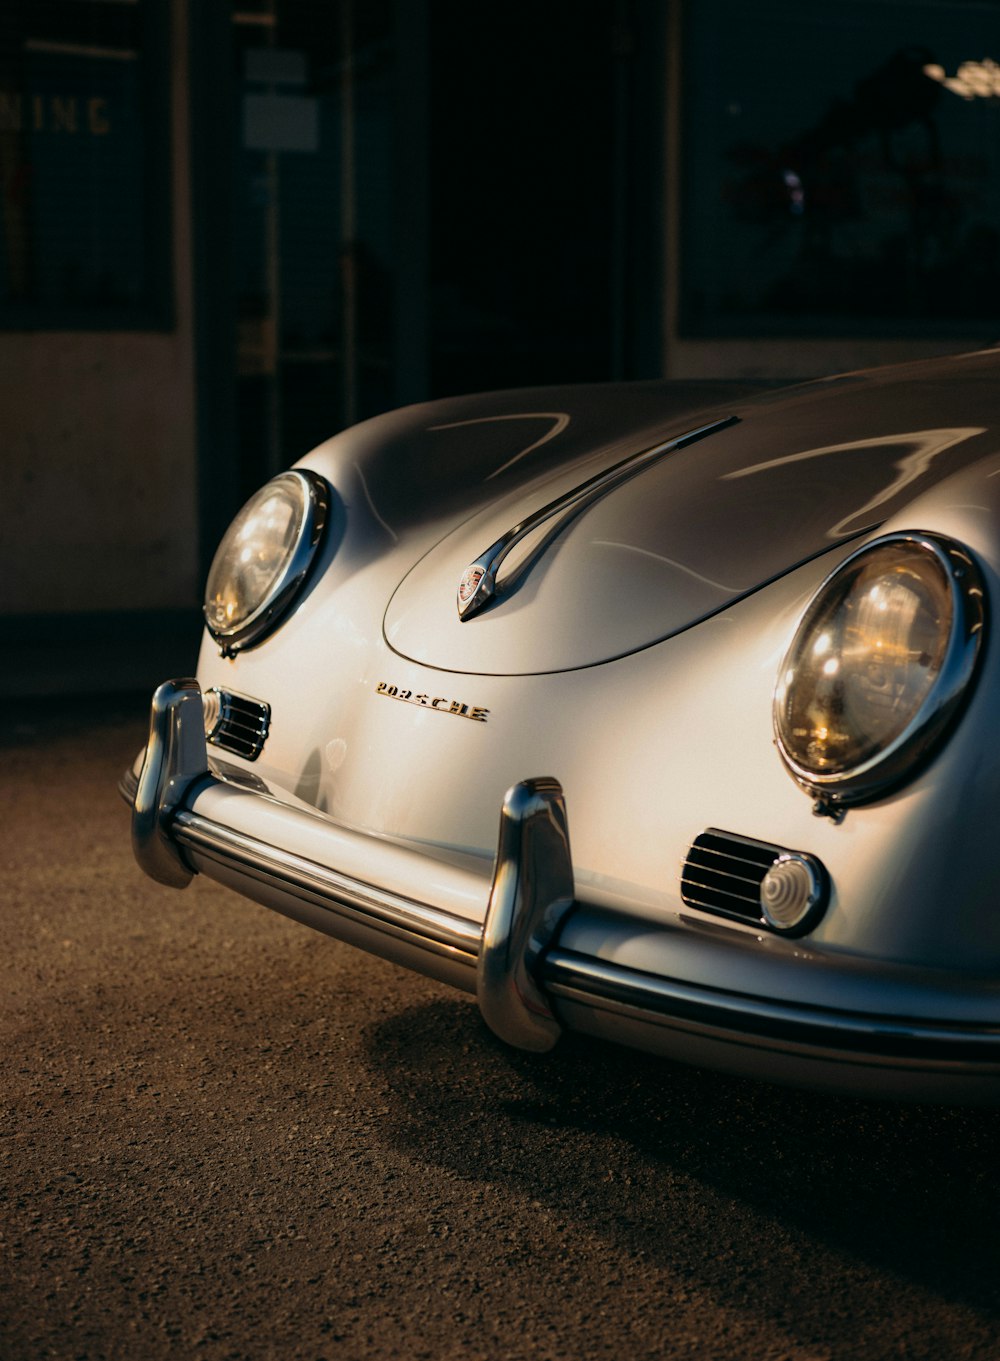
(225, 1136)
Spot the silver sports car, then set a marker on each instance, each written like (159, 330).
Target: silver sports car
(632, 712)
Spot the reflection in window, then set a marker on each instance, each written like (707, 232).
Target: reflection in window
(82, 235)
(835, 171)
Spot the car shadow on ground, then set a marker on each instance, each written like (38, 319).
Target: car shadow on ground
(750, 1190)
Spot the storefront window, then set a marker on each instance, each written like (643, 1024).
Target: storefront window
(842, 168)
(314, 226)
(84, 236)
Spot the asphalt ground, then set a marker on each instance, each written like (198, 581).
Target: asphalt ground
(225, 1136)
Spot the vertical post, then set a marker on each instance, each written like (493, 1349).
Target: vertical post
(272, 332)
(621, 47)
(348, 216)
(212, 101)
(672, 184)
(410, 198)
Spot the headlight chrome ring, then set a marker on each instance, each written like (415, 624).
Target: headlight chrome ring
(879, 666)
(264, 559)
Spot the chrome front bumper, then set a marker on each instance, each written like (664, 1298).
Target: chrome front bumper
(541, 961)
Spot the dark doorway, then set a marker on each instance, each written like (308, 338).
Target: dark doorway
(544, 159)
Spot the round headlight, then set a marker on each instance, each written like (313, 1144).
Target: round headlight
(879, 665)
(264, 558)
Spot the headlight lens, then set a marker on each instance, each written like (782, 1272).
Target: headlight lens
(264, 558)
(879, 665)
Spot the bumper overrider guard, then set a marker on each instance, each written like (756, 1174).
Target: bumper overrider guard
(529, 983)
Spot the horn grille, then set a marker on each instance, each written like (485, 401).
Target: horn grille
(240, 725)
(723, 873)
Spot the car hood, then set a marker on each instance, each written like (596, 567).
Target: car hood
(794, 476)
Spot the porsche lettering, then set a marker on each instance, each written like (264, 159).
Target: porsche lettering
(439, 702)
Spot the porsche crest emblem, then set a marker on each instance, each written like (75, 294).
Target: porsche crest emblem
(471, 578)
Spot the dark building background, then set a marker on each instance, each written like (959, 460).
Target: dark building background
(228, 230)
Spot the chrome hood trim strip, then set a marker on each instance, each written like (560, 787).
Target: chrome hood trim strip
(478, 584)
